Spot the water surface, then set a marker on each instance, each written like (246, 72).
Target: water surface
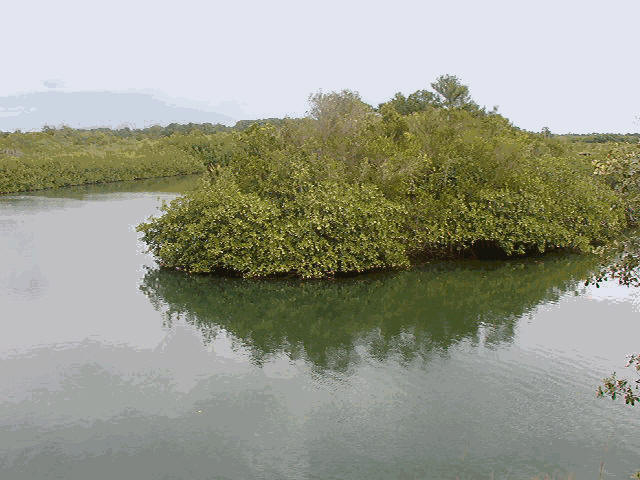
(114, 369)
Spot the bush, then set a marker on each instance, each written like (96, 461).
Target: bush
(488, 184)
(329, 228)
(59, 158)
(348, 189)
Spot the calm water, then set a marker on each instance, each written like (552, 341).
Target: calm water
(111, 369)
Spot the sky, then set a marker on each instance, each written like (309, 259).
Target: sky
(569, 65)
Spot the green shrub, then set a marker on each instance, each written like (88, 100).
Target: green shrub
(488, 184)
(58, 158)
(326, 229)
(348, 189)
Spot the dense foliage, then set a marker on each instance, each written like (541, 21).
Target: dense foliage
(349, 188)
(325, 229)
(448, 92)
(61, 157)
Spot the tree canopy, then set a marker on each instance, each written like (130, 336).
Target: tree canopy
(350, 189)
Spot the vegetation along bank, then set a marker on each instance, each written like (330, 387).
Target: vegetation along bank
(351, 188)
(62, 157)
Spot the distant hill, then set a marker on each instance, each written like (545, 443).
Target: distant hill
(32, 111)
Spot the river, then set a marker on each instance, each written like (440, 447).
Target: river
(113, 369)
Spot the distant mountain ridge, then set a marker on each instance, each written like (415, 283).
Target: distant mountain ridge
(32, 111)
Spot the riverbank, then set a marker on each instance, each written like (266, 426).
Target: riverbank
(60, 158)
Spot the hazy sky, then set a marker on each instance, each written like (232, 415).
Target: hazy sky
(570, 65)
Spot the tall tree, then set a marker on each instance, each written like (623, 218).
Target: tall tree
(418, 101)
(451, 93)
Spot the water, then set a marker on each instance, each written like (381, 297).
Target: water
(111, 369)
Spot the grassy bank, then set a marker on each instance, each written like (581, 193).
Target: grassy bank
(63, 157)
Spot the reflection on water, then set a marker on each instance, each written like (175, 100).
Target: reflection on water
(407, 314)
(112, 368)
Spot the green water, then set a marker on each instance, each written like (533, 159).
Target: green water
(112, 369)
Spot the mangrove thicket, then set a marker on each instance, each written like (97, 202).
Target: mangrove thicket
(351, 188)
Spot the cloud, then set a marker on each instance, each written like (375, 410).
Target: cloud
(53, 83)
(31, 111)
(12, 111)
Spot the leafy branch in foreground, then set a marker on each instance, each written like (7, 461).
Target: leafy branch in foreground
(620, 261)
(626, 270)
(619, 165)
(615, 387)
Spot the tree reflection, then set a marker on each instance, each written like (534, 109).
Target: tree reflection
(406, 314)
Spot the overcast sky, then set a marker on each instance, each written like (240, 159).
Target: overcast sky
(572, 65)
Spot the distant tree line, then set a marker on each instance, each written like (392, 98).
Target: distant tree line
(157, 131)
(602, 137)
